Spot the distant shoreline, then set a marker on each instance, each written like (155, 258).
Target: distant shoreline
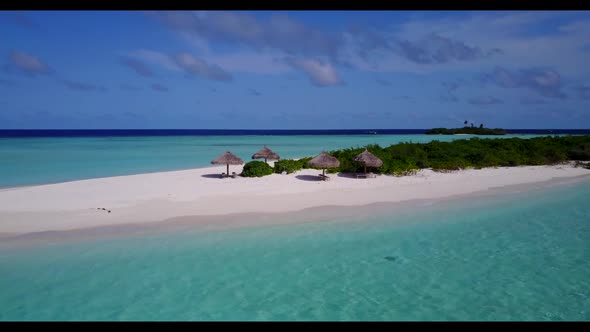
(49, 133)
(468, 131)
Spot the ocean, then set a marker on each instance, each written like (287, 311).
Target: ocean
(32, 157)
(517, 253)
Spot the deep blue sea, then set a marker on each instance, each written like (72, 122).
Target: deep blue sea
(248, 132)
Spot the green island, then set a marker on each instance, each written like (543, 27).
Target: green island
(467, 130)
(407, 158)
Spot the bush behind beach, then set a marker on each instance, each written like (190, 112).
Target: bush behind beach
(407, 158)
(290, 165)
(256, 169)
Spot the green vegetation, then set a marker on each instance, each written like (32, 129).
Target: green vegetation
(581, 152)
(290, 165)
(467, 130)
(407, 158)
(259, 168)
(256, 169)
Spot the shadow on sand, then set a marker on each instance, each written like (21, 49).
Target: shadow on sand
(308, 177)
(354, 176)
(347, 175)
(212, 176)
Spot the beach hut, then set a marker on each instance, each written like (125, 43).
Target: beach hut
(324, 161)
(265, 154)
(368, 160)
(227, 159)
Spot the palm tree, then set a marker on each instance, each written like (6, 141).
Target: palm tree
(465, 123)
(481, 126)
(471, 124)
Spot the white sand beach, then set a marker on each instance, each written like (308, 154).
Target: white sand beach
(200, 192)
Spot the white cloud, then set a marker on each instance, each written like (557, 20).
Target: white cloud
(28, 63)
(184, 62)
(157, 58)
(320, 73)
(471, 41)
(198, 67)
(249, 62)
(526, 39)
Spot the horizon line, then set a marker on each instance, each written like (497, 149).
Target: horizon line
(325, 129)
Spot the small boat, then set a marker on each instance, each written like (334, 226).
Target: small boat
(372, 133)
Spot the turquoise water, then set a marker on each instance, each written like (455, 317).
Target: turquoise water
(509, 256)
(30, 161)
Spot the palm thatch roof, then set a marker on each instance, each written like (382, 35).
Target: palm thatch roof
(265, 154)
(227, 159)
(368, 159)
(324, 160)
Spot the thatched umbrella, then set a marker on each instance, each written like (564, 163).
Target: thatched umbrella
(266, 153)
(368, 159)
(227, 159)
(324, 161)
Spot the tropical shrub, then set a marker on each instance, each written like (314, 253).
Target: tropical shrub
(407, 158)
(256, 169)
(290, 165)
(580, 152)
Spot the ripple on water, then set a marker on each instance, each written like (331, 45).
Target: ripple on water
(491, 261)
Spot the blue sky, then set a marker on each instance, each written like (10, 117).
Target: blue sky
(294, 70)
